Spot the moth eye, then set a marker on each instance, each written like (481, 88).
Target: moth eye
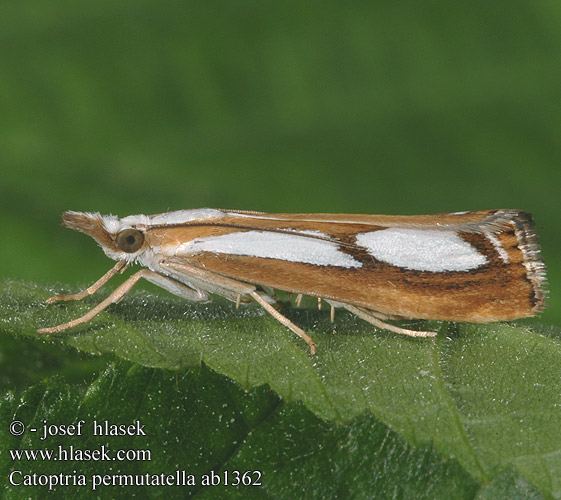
(130, 240)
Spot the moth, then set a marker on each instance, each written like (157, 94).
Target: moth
(478, 267)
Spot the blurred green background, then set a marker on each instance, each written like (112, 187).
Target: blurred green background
(370, 107)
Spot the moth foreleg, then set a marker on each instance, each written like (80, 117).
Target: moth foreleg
(115, 296)
(119, 267)
(373, 318)
(284, 320)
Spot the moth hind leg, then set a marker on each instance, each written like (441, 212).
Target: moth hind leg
(375, 318)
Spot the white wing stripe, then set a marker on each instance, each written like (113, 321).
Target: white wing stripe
(272, 245)
(422, 249)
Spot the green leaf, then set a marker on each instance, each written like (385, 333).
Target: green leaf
(509, 484)
(203, 423)
(41, 360)
(487, 395)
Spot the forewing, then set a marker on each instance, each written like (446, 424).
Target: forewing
(475, 266)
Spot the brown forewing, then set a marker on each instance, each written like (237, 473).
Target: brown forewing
(498, 290)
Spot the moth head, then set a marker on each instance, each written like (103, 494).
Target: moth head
(120, 239)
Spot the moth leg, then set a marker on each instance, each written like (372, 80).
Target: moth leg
(119, 267)
(233, 290)
(211, 282)
(285, 321)
(371, 312)
(116, 296)
(376, 314)
(371, 317)
(269, 294)
(177, 287)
